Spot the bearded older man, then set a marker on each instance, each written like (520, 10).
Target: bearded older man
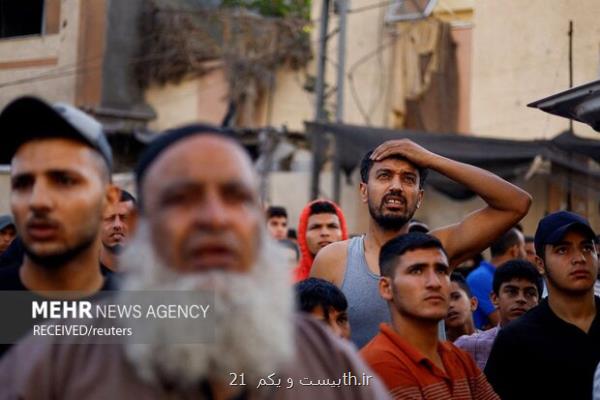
(201, 227)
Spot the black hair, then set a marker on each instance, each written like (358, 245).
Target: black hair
(392, 250)
(366, 164)
(276, 211)
(322, 207)
(291, 234)
(126, 196)
(505, 242)
(314, 292)
(529, 239)
(461, 282)
(417, 226)
(517, 269)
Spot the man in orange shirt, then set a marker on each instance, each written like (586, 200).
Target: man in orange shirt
(407, 354)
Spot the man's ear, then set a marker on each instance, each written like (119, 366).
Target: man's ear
(364, 197)
(515, 251)
(474, 303)
(540, 265)
(385, 288)
(420, 197)
(494, 299)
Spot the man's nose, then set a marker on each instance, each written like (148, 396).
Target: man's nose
(432, 279)
(212, 212)
(578, 256)
(396, 183)
(118, 225)
(41, 198)
(521, 298)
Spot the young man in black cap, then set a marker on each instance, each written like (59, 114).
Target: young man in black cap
(60, 186)
(552, 351)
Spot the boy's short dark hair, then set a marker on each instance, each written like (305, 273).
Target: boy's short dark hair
(276, 211)
(314, 292)
(392, 250)
(366, 164)
(322, 207)
(512, 269)
(461, 282)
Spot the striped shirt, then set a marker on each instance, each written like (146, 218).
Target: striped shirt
(478, 345)
(408, 374)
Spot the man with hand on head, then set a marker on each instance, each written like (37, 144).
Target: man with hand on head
(201, 228)
(392, 178)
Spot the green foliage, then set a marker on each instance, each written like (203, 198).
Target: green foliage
(274, 8)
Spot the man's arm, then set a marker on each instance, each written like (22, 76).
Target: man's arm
(506, 203)
(330, 262)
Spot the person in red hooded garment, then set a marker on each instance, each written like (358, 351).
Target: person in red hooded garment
(321, 223)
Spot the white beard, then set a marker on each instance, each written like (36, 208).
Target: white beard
(253, 319)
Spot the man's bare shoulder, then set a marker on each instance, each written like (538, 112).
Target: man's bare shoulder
(330, 262)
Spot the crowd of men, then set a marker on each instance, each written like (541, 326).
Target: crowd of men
(386, 314)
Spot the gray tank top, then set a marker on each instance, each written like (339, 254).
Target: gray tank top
(366, 308)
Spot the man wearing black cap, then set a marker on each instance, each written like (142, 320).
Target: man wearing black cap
(60, 185)
(201, 228)
(7, 232)
(552, 351)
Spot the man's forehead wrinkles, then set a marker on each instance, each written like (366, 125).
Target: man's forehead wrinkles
(392, 163)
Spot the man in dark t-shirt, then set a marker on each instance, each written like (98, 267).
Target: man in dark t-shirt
(551, 352)
(60, 185)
